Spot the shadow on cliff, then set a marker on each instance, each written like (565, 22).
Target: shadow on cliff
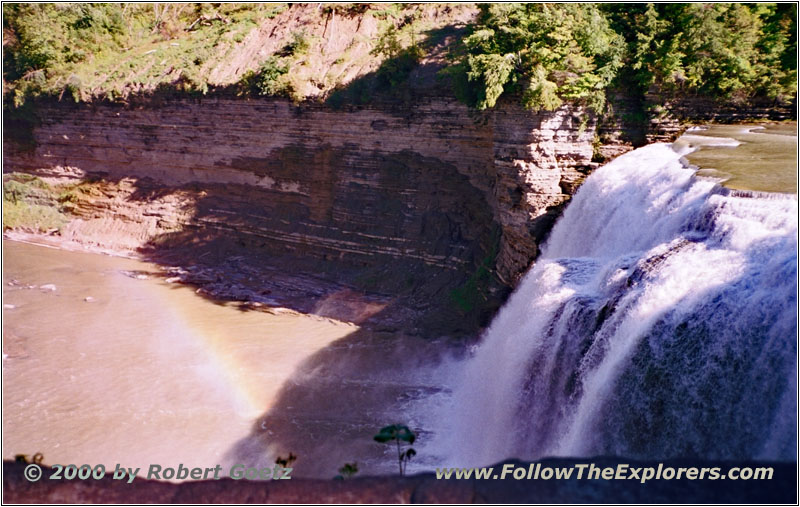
(407, 74)
(429, 273)
(393, 241)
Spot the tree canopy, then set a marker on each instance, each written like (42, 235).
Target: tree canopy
(541, 54)
(546, 54)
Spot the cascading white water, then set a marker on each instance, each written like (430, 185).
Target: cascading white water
(659, 321)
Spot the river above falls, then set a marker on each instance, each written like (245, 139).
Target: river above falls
(746, 157)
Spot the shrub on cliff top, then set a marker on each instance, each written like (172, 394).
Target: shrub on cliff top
(272, 79)
(398, 61)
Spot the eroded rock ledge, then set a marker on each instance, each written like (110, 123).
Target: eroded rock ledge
(428, 210)
(384, 197)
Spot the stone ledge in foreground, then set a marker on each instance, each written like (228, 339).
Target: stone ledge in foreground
(423, 488)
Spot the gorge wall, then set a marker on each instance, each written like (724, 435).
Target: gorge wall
(416, 206)
(432, 202)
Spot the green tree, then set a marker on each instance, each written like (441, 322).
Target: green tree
(548, 53)
(398, 61)
(724, 50)
(398, 433)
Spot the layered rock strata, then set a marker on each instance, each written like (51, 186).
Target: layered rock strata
(398, 196)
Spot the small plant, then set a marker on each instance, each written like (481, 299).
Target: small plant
(347, 471)
(398, 433)
(285, 462)
(398, 61)
(271, 79)
(299, 44)
(597, 150)
(23, 458)
(68, 196)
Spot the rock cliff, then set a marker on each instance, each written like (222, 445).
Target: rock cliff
(430, 201)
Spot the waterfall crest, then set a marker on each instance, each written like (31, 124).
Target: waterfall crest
(659, 321)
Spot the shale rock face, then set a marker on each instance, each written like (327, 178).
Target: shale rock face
(402, 195)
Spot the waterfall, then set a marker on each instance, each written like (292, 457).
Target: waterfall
(660, 321)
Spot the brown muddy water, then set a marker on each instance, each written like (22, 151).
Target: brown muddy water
(759, 157)
(146, 372)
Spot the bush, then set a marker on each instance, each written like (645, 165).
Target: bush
(398, 61)
(29, 204)
(271, 79)
(32, 217)
(270, 74)
(299, 44)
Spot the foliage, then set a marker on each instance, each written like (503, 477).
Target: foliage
(32, 204)
(80, 51)
(37, 458)
(546, 53)
(725, 50)
(398, 61)
(32, 217)
(398, 433)
(388, 10)
(270, 77)
(540, 54)
(20, 187)
(346, 9)
(298, 46)
(347, 471)
(285, 462)
(597, 153)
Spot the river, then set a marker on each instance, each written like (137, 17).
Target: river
(747, 157)
(106, 362)
(144, 371)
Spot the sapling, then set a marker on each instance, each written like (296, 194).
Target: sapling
(398, 433)
(347, 471)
